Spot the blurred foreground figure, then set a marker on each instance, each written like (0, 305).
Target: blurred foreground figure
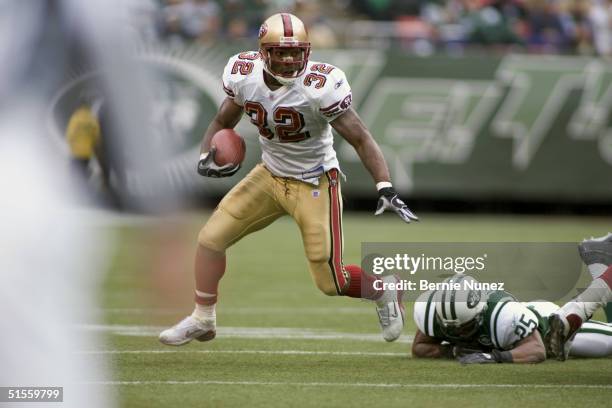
(50, 262)
(52, 252)
(50, 267)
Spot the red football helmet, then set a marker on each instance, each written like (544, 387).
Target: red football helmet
(284, 47)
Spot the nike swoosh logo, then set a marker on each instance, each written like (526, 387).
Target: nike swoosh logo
(190, 333)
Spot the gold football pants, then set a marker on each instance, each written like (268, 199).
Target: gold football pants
(260, 198)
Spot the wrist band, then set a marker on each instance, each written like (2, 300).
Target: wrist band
(203, 155)
(502, 356)
(447, 351)
(383, 184)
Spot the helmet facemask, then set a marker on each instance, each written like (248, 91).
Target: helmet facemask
(459, 309)
(464, 332)
(285, 63)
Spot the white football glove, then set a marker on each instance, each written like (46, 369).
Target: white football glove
(208, 168)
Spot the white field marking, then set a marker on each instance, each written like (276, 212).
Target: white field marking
(246, 332)
(244, 311)
(274, 352)
(365, 385)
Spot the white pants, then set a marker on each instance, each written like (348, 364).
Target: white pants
(594, 339)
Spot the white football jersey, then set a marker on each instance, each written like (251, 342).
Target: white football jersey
(293, 121)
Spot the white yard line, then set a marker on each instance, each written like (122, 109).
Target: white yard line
(243, 311)
(364, 385)
(247, 332)
(274, 352)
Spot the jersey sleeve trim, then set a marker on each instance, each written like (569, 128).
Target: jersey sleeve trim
(331, 110)
(330, 107)
(229, 92)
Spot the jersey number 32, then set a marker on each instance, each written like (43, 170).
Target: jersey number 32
(289, 122)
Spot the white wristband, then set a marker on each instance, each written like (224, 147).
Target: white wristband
(203, 155)
(382, 184)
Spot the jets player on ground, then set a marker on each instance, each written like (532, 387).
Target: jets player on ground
(567, 320)
(494, 327)
(294, 103)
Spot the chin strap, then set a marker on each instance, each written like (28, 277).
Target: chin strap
(280, 79)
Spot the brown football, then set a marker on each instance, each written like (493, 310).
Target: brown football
(230, 147)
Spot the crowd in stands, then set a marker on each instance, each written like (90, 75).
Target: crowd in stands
(537, 26)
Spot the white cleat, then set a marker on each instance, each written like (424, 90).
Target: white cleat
(596, 250)
(188, 329)
(391, 311)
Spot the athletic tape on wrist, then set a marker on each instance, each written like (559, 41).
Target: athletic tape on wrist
(383, 184)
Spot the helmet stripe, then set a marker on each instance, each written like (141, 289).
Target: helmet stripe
(452, 299)
(444, 303)
(429, 319)
(287, 25)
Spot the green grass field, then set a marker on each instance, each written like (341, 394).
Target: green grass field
(282, 343)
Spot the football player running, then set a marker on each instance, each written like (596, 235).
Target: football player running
(294, 103)
(494, 327)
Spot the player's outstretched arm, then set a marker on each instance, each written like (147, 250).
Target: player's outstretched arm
(424, 346)
(529, 350)
(227, 117)
(353, 130)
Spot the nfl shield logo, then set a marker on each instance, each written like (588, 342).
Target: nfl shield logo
(316, 193)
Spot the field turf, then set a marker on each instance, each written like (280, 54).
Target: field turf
(281, 343)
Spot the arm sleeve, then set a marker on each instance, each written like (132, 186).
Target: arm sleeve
(335, 97)
(510, 323)
(231, 82)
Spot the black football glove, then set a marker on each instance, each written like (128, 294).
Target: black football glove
(494, 356)
(388, 199)
(208, 168)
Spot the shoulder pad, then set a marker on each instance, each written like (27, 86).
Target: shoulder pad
(510, 322)
(329, 87)
(238, 68)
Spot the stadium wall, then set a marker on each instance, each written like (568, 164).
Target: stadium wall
(477, 128)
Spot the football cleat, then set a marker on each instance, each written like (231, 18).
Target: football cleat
(556, 340)
(188, 329)
(390, 309)
(596, 250)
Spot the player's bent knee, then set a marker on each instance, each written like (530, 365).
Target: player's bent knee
(211, 241)
(323, 279)
(207, 250)
(220, 231)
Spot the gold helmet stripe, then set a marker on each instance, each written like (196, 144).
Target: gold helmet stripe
(287, 25)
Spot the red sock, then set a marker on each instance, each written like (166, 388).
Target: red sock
(361, 284)
(209, 269)
(607, 277)
(575, 322)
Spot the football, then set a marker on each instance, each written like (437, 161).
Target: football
(230, 147)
